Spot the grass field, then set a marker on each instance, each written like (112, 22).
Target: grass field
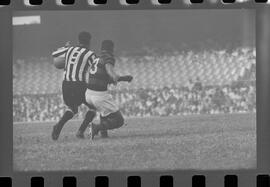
(190, 142)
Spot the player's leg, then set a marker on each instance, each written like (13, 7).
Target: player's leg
(104, 134)
(87, 120)
(105, 105)
(112, 121)
(58, 127)
(91, 113)
(68, 97)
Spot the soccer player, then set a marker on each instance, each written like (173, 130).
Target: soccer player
(76, 61)
(100, 75)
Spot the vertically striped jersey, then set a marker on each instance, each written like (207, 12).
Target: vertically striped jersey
(78, 60)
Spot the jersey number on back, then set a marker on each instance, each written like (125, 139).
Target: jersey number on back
(93, 66)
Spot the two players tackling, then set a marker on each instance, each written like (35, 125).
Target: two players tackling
(86, 80)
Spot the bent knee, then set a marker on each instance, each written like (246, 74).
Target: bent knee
(115, 119)
(118, 118)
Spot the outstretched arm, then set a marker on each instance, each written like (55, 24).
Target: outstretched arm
(127, 78)
(114, 76)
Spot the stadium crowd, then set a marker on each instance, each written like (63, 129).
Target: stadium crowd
(192, 99)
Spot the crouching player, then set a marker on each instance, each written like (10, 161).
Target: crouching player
(100, 75)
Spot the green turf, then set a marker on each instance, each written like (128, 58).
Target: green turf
(190, 142)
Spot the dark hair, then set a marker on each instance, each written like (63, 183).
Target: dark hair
(107, 45)
(84, 38)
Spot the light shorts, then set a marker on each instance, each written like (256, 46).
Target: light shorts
(102, 100)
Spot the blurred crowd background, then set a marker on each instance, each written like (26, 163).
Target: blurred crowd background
(172, 94)
(148, 102)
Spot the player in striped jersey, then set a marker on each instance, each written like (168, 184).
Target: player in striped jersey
(100, 75)
(75, 60)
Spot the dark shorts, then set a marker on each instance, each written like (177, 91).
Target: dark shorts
(73, 94)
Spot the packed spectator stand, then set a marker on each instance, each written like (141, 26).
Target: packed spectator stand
(176, 83)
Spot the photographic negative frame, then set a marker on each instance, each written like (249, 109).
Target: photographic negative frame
(245, 177)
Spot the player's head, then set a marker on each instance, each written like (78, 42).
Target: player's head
(107, 45)
(84, 38)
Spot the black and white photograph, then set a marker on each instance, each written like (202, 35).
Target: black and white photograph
(137, 90)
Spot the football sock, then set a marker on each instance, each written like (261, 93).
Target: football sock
(104, 125)
(67, 116)
(88, 118)
(112, 121)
